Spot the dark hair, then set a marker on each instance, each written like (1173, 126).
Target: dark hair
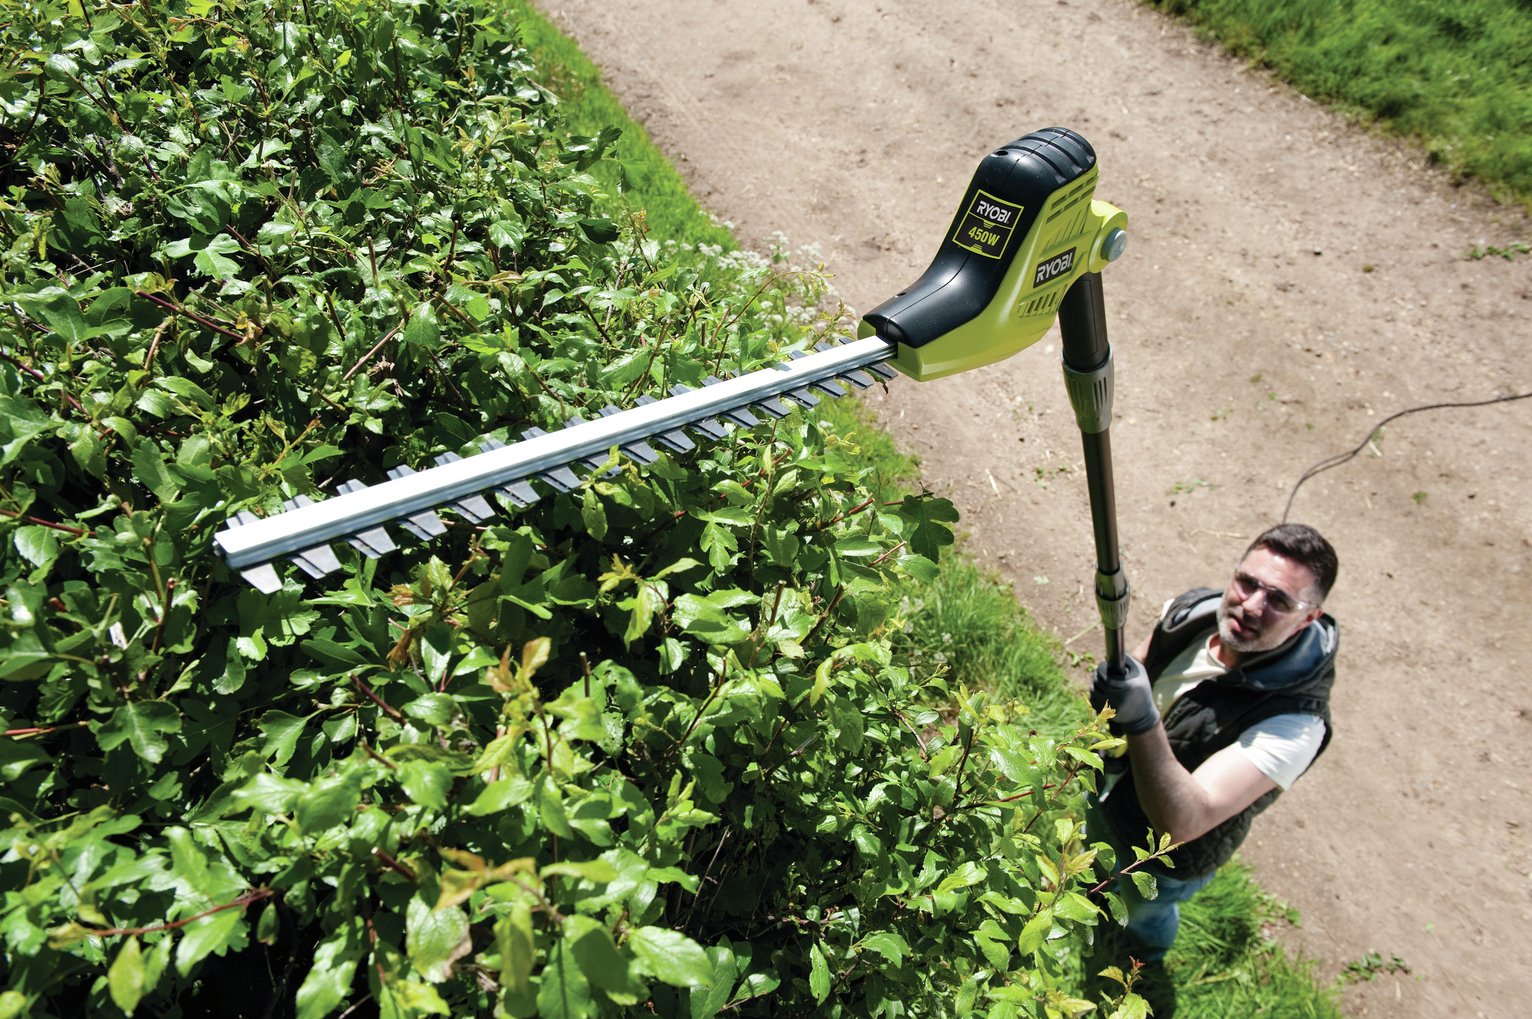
(1305, 546)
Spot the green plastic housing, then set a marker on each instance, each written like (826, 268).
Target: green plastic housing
(1028, 227)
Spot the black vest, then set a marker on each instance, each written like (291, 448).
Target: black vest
(1293, 678)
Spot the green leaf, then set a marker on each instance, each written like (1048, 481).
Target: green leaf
(671, 957)
(125, 978)
(426, 782)
(518, 948)
(37, 545)
(150, 468)
(706, 619)
(435, 938)
(213, 934)
(928, 522)
(282, 731)
(142, 724)
(565, 991)
(54, 308)
(819, 974)
(594, 514)
(329, 979)
(212, 259)
(603, 965)
(887, 944)
(423, 329)
(967, 875)
(599, 871)
(1035, 932)
(327, 803)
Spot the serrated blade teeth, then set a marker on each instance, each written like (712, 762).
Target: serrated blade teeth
(642, 452)
(859, 379)
(804, 397)
(742, 416)
(882, 371)
(372, 542)
(317, 561)
(520, 493)
(474, 507)
(831, 388)
(773, 407)
(561, 478)
(711, 427)
(680, 390)
(676, 441)
(425, 526)
(263, 578)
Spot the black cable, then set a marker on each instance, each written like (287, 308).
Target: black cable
(1340, 458)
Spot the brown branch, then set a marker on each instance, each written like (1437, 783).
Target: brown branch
(76, 531)
(853, 511)
(393, 864)
(240, 903)
(42, 377)
(200, 320)
(388, 709)
(41, 730)
(919, 743)
(375, 348)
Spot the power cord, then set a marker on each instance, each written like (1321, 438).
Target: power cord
(1340, 458)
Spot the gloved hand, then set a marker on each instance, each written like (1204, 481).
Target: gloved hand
(1130, 695)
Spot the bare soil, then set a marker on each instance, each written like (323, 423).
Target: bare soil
(1291, 279)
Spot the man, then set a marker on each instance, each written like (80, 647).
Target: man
(1223, 706)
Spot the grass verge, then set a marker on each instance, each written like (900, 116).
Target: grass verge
(967, 621)
(1455, 77)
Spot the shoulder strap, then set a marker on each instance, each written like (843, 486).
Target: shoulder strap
(1187, 618)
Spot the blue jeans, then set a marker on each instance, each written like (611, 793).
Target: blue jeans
(1152, 923)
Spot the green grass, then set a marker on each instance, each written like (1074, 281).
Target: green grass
(967, 623)
(1224, 964)
(640, 171)
(1454, 76)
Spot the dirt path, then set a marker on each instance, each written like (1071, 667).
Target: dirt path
(1289, 282)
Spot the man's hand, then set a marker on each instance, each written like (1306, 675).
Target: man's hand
(1129, 695)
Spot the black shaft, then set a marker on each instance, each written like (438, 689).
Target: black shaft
(1082, 325)
(1082, 322)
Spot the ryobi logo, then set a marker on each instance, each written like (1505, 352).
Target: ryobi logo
(1000, 214)
(985, 227)
(1053, 268)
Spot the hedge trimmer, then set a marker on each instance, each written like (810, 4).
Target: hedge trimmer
(1027, 246)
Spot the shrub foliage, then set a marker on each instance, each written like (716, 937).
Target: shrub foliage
(647, 744)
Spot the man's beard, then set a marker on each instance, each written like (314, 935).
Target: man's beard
(1264, 638)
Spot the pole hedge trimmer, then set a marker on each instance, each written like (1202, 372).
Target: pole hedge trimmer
(1027, 246)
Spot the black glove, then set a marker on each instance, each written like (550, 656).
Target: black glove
(1129, 694)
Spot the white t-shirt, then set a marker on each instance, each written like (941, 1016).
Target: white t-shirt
(1281, 747)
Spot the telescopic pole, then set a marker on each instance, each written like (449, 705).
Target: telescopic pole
(1088, 377)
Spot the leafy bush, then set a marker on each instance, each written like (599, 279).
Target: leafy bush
(648, 744)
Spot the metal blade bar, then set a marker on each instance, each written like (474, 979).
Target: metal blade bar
(298, 530)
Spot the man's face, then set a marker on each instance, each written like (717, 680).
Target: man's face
(1265, 602)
